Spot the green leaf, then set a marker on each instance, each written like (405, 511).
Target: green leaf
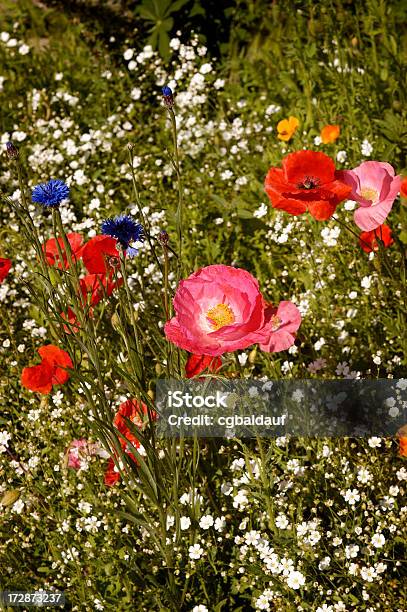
(176, 6)
(164, 43)
(403, 236)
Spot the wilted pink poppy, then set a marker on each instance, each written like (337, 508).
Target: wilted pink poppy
(374, 187)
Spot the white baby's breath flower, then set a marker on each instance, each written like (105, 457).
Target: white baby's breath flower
(295, 580)
(195, 551)
(378, 540)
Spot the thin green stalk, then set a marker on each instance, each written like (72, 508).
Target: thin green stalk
(179, 213)
(132, 318)
(145, 222)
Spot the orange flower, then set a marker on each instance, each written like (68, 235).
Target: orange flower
(287, 127)
(402, 436)
(330, 133)
(403, 188)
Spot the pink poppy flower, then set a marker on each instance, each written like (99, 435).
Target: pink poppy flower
(220, 309)
(374, 187)
(79, 451)
(280, 325)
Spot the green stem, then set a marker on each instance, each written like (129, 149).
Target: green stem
(140, 368)
(145, 222)
(179, 213)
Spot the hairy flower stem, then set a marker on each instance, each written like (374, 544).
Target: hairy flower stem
(139, 356)
(28, 222)
(346, 226)
(144, 220)
(179, 212)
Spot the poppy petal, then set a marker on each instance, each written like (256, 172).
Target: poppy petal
(38, 378)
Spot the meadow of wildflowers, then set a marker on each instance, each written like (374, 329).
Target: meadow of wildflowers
(234, 210)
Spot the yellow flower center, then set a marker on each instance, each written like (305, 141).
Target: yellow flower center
(369, 194)
(220, 315)
(275, 322)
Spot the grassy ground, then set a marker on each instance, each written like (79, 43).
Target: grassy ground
(72, 101)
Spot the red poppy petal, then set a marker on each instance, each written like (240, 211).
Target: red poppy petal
(299, 165)
(95, 251)
(340, 190)
(38, 378)
(5, 265)
(55, 356)
(321, 210)
(52, 252)
(60, 376)
(111, 475)
(294, 207)
(198, 363)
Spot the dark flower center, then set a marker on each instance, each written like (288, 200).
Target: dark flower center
(310, 182)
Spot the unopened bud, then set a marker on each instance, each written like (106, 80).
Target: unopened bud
(112, 261)
(115, 321)
(12, 151)
(163, 237)
(168, 96)
(252, 356)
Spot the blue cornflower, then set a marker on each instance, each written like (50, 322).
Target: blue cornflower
(126, 230)
(50, 194)
(167, 91)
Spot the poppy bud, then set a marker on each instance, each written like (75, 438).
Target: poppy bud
(163, 237)
(9, 498)
(168, 96)
(115, 321)
(252, 356)
(12, 151)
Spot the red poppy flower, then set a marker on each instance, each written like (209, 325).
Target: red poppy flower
(198, 363)
(98, 286)
(402, 436)
(96, 253)
(38, 378)
(51, 371)
(112, 474)
(58, 359)
(52, 256)
(5, 265)
(307, 181)
(368, 240)
(136, 412)
(71, 318)
(403, 188)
